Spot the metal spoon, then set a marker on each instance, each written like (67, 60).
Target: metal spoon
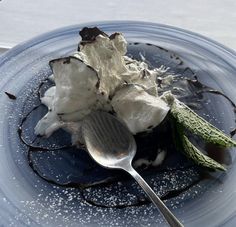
(111, 145)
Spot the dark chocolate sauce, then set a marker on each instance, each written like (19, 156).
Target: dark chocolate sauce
(10, 96)
(233, 132)
(205, 89)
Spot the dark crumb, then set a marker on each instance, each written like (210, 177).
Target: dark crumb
(10, 96)
(102, 93)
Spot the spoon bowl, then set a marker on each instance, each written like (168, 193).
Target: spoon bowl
(110, 144)
(108, 141)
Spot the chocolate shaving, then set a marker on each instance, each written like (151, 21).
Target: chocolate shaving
(113, 36)
(89, 35)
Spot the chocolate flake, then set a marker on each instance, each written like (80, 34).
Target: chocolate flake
(113, 36)
(89, 35)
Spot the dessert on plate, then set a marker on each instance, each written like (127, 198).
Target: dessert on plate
(99, 76)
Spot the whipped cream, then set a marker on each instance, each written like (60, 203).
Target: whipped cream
(100, 77)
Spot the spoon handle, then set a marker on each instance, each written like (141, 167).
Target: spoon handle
(169, 216)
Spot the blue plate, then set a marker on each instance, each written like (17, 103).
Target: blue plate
(28, 200)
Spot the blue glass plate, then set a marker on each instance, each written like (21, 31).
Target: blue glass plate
(28, 200)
